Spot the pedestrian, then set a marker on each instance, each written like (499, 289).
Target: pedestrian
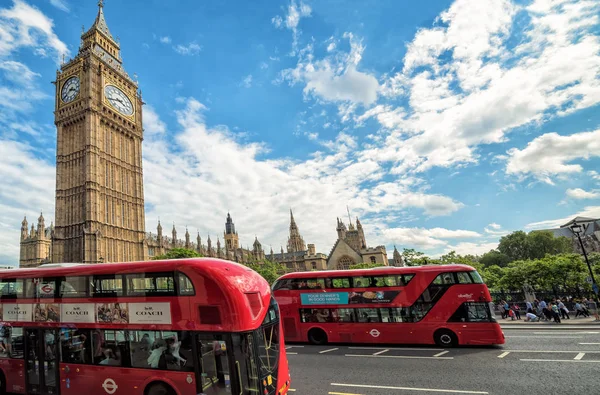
(529, 307)
(579, 310)
(517, 311)
(564, 312)
(555, 315)
(502, 310)
(530, 317)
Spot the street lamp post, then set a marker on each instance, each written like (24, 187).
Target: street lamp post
(577, 229)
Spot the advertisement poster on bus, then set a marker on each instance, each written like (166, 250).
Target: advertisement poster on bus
(77, 313)
(372, 297)
(46, 312)
(150, 313)
(112, 313)
(314, 298)
(17, 312)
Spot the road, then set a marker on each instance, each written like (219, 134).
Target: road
(533, 361)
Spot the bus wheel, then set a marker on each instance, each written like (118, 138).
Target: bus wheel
(445, 338)
(159, 389)
(317, 336)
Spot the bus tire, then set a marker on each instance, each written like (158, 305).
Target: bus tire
(159, 388)
(2, 383)
(445, 338)
(317, 336)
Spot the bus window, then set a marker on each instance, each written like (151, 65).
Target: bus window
(76, 345)
(342, 282)
(476, 277)
(11, 288)
(213, 363)
(361, 282)
(107, 285)
(406, 278)
(73, 287)
(150, 284)
(40, 288)
(464, 278)
(343, 315)
(385, 281)
(111, 347)
(186, 288)
(367, 315)
(317, 283)
(16, 346)
(444, 279)
(161, 350)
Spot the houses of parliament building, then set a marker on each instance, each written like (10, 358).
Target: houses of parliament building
(100, 215)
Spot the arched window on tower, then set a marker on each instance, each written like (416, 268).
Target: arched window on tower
(314, 265)
(373, 260)
(345, 262)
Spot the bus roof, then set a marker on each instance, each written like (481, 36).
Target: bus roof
(384, 270)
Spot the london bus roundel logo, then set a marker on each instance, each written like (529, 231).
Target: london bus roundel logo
(374, 333)
(110, 386)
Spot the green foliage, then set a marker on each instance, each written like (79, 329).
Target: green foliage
(412, 257)
(535, 245)
(366, 265)
(270, 271)
(492, 275)
(177, 253)
(494, 258)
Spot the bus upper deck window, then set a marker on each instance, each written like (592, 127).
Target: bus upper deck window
(186, 287)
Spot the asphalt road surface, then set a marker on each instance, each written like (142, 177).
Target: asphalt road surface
(533, 361)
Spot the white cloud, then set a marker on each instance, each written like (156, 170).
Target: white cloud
(589, 211)
(551, 154)
(295, 12)
(26, 26)
(27, 185)
(247, 81)
(264, 65)
(469, 248)
(165, 40)
(19, 91)
(189, 166)
(60, 4)
(153, 126)
(495, 229)
(190, 49)
(427, 239)
(335, 78)
(331, 47)
(594, 175)
(578, 193)
(461, 79)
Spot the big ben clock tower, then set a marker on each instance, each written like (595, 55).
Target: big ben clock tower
(99, 182)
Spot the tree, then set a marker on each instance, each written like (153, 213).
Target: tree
(177, 253)
(514, 246)
(270, 271)
(494, 258)
(412, 257)
(541, 243)
(492, 275)
(365, 265)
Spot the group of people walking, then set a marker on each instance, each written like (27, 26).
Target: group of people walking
(551, 311)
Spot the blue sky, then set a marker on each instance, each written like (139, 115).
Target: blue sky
(442, 124)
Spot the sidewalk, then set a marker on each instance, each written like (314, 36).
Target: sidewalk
(573, 321)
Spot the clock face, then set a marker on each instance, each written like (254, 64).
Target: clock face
(70, 90)
(118, 99)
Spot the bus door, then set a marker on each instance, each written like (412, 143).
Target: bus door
(41, 359)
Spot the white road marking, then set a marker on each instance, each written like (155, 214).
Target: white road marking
(331, 349)
(558, 360)
(439, 354)
(548, 337)
(589, 344)
(552, 351)
(288, 347)
(380, 352)
(410, 388)
(505, 353)
(559, 332)
(291, 353)
(395, 356)
(398, 348)
(579, 356)
(292, 390)
(341, 393)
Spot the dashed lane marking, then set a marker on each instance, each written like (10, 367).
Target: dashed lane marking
(331, 349)
(291, 353)
(386, 387)
(381, 352)
(341, 393)
(557, 360)
(396, 356)
(504, 354)
(589, 344)
(579, 356)
(555, 351)
(439, 354)
(546, 337)
(398, 348)
(288, 347)
(566, 332)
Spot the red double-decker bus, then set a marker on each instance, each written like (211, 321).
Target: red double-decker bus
(448, 305)
(180, 327)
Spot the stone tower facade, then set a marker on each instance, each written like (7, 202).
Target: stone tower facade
(99, 184)
(232, 240)
(295, 241)
(398, 261)
(36, 245)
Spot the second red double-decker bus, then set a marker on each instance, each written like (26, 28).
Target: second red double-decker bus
(447, 305)
(178, 327)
